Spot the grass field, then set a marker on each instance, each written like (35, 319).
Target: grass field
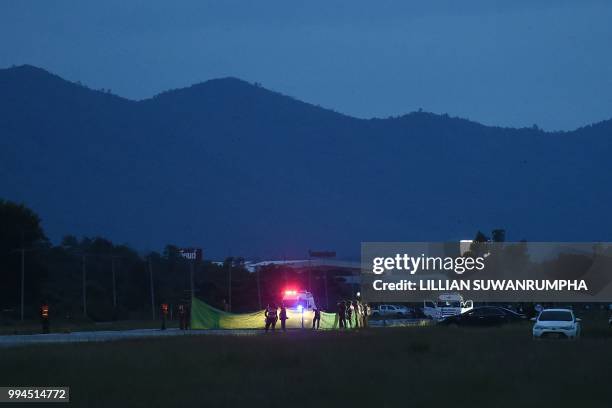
(407, 367)
(69, 326)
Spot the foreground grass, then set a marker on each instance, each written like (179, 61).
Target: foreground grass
(69, 326)
(418, 367)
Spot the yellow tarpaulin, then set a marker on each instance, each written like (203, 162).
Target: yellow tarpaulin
(204, 316)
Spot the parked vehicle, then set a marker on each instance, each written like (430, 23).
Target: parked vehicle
(556, 323)
(449, 304)
(391, 311)
(299, 300)
(485, 316)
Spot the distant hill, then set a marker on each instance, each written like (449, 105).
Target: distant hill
(231, 166)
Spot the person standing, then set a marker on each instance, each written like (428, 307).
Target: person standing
(283, 316)
(366, 313)
(341, 315)
(271, 317)
(316, 319)
(357, 313)
(361, 314)
(349, 313)
(44, 317)
(182, 317)
(164, 313)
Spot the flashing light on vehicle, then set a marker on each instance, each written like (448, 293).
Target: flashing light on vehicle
(290, 292)
(300, 308)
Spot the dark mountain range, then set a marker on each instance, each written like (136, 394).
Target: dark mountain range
(230, 166)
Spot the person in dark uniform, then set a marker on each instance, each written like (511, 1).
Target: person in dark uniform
(182, 317)
(366, 314)
(316, 319)
(164, 314)
(283, 316)
(357, 313)
(44, 318)
(349, 313)
(271, 317)
(342, 315)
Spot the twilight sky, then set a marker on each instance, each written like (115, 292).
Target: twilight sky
(507, 63)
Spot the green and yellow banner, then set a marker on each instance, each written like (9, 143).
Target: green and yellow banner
(204, 316)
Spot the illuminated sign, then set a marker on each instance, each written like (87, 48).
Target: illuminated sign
(192, 254)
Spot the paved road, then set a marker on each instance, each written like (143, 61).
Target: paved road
(111, 335)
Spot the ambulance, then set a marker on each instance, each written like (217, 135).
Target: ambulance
(298, 300)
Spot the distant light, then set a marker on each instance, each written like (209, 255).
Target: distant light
(358, 294)
(290, 292)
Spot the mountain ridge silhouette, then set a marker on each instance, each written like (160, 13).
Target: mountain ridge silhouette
(228, 164)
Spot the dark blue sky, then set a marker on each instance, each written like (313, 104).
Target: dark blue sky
(509, 63)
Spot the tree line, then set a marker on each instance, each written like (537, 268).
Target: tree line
(94, 278)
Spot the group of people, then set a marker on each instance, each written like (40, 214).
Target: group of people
(353, 314)
(350, 314)
(273, 315)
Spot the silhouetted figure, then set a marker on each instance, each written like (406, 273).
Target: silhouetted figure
(182, 317)
(349, 313)
(44, 318)
(283, 317)
(366, 314)
(164, 313)
(341, 315)
(271, 317)
(357, 312)
(316, 320)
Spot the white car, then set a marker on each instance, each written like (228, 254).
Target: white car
(391, 311)
(559, 323)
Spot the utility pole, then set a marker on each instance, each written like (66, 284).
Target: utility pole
(22, 279)
(152, 290)
(191, 272)
(229, 284)
(309, 270)
(309, 274)
(114, 283)
(258, 287)
(326, 291)
(84, 273)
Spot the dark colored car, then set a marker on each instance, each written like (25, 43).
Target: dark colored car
(485, 316)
